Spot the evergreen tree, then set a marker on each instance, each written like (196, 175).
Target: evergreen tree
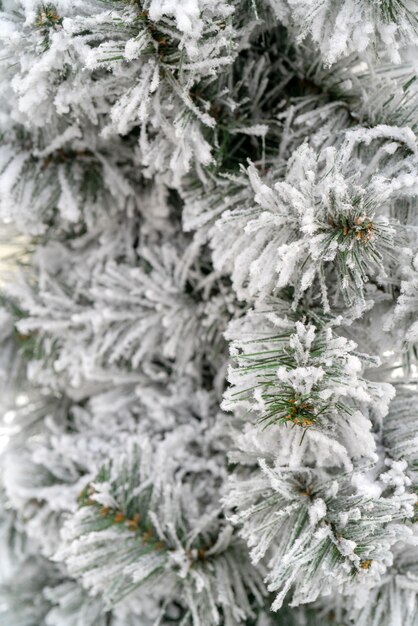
(209, 313)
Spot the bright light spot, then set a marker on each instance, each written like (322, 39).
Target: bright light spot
(9, 417)
(21, 400)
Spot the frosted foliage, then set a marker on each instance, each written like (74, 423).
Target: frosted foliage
(311, 376)
(72, 606)
(331, 211)
(112, 79)
(208, 313)
(404, 315)
(71, 442)
(24, 603)
(395, 600)
(153, 532)
(327, 531)
(121, 316)
(35, 186)
(340, 28)
(191, 17)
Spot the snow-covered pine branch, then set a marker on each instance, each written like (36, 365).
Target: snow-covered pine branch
(208, 344)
